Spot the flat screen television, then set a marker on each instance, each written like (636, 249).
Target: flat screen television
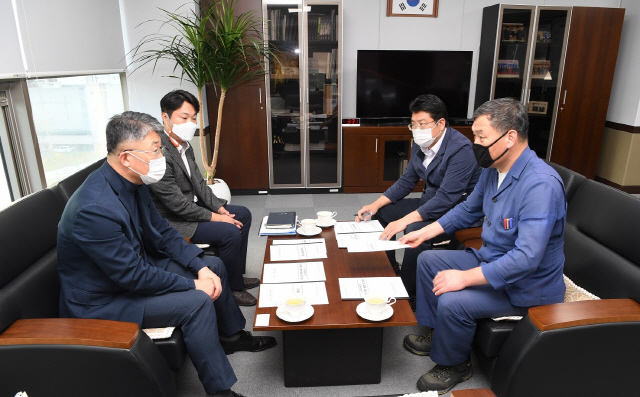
(388, 80)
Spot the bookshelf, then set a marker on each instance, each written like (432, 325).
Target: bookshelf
(304, 93)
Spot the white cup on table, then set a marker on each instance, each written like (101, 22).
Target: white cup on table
(307, 226)
(376, 302)
(326, 217)
(294, 305)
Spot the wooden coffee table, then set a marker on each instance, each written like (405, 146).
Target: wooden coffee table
(336, 346)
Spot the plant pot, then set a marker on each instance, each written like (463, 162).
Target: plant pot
(221, 189)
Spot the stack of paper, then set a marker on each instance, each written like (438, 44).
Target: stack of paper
(363, 237)
(358, 227)
(356, 288)
(282, 279)
(293, 250)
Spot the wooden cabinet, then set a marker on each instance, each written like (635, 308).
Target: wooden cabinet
(559, 61)
(375, 157)
(586, 88)
(243, 157)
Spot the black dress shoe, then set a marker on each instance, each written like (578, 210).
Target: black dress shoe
(244, 298)
(250, 282)
(249, 343)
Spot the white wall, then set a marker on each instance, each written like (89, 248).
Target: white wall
(624, 106)
(145, 86)
(68, 37)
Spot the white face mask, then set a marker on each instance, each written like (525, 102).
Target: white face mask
(184, 131)
(424, 138)
(156, 169)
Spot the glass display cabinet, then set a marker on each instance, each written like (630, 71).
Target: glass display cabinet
(522, 52)
(304, 93)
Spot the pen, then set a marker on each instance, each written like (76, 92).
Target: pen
(364, 215)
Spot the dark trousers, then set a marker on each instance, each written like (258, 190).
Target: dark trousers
(393, 212)
(230, 241)
(454, 315)
(201, 321)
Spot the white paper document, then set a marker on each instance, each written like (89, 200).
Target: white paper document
(262, 320)
(298, 241)
(275, 232)
(293, 272)
(357, 287)
(358, 227)
(374, 245)
(272, 294)
(297, 252)
(346, 238)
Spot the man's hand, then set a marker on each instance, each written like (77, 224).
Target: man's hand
(448, 281)
(417, 237)
(225, 216)
(414, 238)
(393, 228)
(209, 282)
(369, 211)
(456, 280)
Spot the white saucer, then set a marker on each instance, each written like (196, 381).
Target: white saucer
(306, 314)
(331, 223)
(364, 313)
(315, 231)
(202, 246)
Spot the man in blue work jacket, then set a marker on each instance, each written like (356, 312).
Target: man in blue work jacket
(520, 263)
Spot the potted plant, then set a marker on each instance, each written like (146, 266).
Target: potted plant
(210, 46)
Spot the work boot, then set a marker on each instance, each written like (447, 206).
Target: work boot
(442, 378)
(419, 344)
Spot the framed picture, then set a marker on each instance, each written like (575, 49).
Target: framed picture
(537, 107)
(412, 8)
(513, 32)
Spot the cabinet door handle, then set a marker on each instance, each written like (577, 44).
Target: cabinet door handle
(564, 97)
(260, 94)
(376, 145)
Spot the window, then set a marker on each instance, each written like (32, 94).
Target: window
(70, 115)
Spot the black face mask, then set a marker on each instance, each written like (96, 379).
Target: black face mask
(482, 153)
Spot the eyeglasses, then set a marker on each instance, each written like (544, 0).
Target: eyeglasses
(159, 152)
(421, 126)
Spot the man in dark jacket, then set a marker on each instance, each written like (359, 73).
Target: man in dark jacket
(440, 156)
(118, 259)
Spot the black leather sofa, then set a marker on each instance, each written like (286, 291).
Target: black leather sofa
(585, 348)
(48, 356)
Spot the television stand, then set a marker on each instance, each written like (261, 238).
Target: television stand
(375, 156)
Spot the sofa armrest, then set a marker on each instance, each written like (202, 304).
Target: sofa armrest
(571, 349)
(571, 314)
(470, 237)
(56, 357)
(71, 331)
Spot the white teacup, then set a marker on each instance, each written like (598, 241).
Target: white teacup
(307, 226)
(294, 305)
(376, 302)
(325, 217)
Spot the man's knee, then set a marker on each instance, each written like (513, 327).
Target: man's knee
(215, 264)
(427, 264)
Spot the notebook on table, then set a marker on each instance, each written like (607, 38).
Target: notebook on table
(281, 220)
